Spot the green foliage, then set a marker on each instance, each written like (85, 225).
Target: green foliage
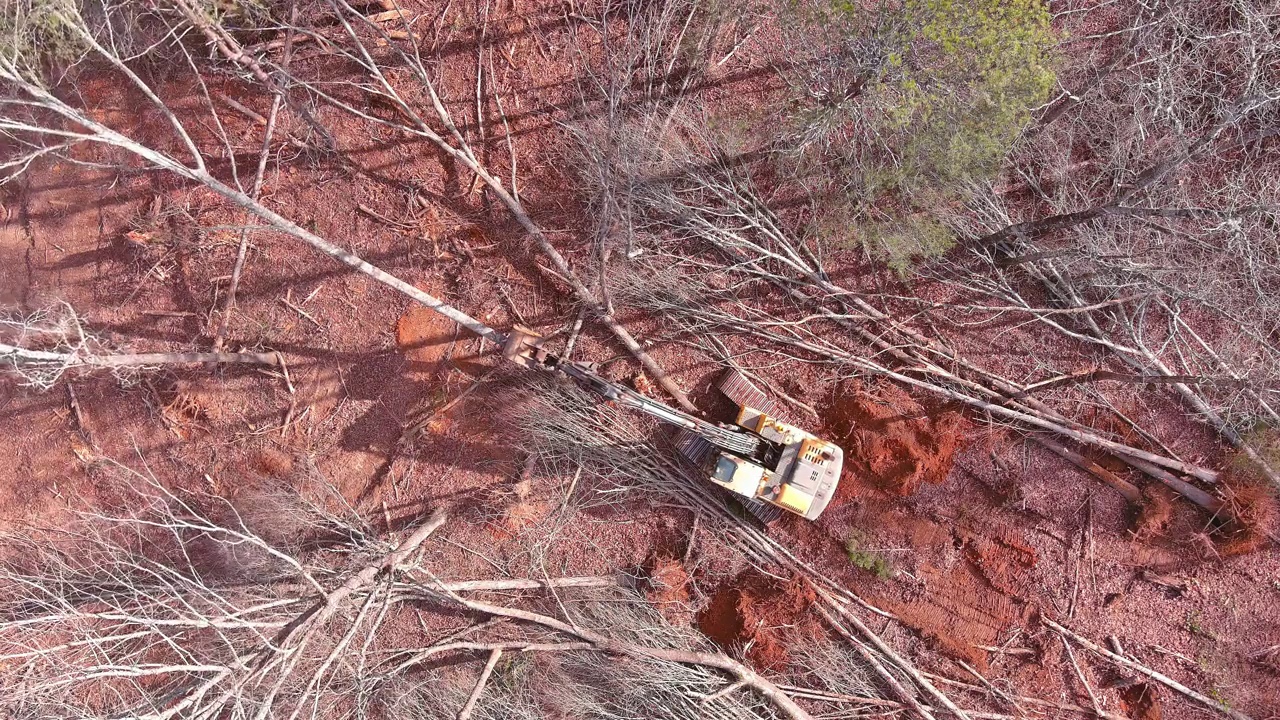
(1193, 623)
(1265, 439)
(1195, 626)
(36, 31)
(915, 237)
(979, 68)
(869, 560)
(39, 36)
(1220, 698)
(513, 671)
(914, 101)
(732, 132)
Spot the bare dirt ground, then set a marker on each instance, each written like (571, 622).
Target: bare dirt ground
(979, 531)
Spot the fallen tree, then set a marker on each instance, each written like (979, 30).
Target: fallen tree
(197, 606)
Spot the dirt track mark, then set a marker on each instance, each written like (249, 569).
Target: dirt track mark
(961, 611)
(1005, 562)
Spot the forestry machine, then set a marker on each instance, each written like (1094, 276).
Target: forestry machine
(771, 465)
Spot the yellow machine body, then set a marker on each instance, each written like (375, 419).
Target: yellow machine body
(806, 475)
(774, 462)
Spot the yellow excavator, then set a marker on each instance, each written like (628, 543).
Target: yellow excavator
(770, 465)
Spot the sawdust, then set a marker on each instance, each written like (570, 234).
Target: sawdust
(890, 440)
(761, 616)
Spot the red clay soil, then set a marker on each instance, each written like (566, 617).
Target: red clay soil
(1156, 512)
(1253, 510)
(1003, 560)
(431, 342)
(667, 587)
(976, 579)
(424, 336)
(959, 615)
(522, 508)
(971, 600)
(1140, 702)
(761, 616)
(271, 462)
(889, 439)
(978, 546)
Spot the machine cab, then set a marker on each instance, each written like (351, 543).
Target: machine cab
(803, 478)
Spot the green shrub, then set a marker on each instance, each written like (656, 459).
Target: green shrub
(915, 102)
(915, 237)
(979, 68)
(868, 560)
(35, 31)
(1265, 439)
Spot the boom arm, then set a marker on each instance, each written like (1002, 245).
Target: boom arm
(805, 469)
(521, 347)
(735, 441)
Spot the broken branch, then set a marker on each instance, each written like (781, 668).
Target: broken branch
(686, 657)
(494, 656)
(1144, 670)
